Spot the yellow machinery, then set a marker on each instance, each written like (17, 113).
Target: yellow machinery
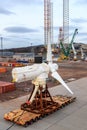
(62, 57)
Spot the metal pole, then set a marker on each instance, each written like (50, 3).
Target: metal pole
(2, 46)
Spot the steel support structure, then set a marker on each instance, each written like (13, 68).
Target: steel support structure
(66, 21)
(48, 21)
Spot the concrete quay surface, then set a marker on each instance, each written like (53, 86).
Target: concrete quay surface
(71, 117)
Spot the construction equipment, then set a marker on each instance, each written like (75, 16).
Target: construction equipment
(82, 54)
(74, 52)
(72, 40)
(62, 57)
(66, 51)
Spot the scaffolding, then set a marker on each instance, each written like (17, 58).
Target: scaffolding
(66, 21)
(48, 21)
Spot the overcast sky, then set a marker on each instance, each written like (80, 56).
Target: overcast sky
(22, 21)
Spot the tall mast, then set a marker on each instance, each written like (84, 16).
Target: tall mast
(66, 21)
(48, 21)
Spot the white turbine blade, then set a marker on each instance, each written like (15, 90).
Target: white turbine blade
(58, 77)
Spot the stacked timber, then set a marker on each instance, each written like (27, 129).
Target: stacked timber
(6, 87)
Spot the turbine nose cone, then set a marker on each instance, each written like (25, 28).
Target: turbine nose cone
(55, 66)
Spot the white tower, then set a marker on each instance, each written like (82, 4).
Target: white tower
(48, 21)
(66, 21)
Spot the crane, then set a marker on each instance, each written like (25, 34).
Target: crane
(72, 40)
(82, 54)
(66, 52)
(74, 52)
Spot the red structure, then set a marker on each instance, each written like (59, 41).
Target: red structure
(6, 87)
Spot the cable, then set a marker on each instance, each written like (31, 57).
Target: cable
(10, 126)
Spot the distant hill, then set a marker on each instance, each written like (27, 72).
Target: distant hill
(35, 49)
(41, 49)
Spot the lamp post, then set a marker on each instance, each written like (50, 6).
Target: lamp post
(2, 45)
(32, 49)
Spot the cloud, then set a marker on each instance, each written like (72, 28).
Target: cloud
(34, 2)
(71, 28)
(81, 34)
(81, 2)
(13, 41)
(84, 39)
(5, 11)
(56, 28)
(11, 3)
(19, 29)
(79, 20)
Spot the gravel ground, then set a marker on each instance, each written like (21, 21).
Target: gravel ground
(69, 70)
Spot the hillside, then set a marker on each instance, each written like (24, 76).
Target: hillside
(35, 49)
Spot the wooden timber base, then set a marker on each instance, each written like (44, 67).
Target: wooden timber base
(25, 118)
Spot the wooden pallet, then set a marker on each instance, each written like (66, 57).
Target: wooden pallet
(26, 118)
